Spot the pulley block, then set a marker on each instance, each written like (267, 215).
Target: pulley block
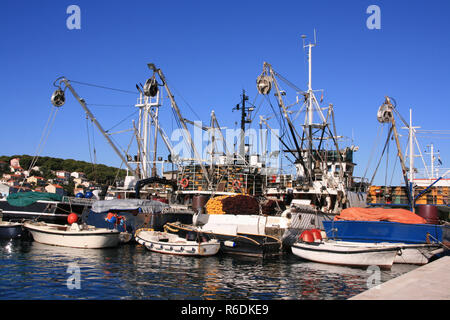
(58, 98)
(151, 87)
(385, 112)
(264, 84)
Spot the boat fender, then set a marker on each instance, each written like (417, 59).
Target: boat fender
(72, 218)
(316, 234)
(230, 244)
(307, 236)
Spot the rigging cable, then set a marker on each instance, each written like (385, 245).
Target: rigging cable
(121, 121)
(93, 162)
(380, 130)
(103, 87)
(384, 149)
(189, 106)
(44, 137)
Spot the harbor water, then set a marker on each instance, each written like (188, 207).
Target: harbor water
(34, 271)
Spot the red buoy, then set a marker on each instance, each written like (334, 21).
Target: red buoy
(72, 218)
(307, 236)
(316, 234)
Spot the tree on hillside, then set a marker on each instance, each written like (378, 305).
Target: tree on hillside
(99, 173)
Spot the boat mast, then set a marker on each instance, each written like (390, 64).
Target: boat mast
(310, 91)
(155, 139)
(152, 67)
(411, 155)
(245, 111)
(243, 122)
(432, 161)
(309, 106)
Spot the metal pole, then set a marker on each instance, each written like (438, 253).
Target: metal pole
(145, 136)
(242, 133)
(155, 146)
(432, 161)
(411, 155)
(402, 162)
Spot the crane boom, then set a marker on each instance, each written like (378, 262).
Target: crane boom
(94, 120)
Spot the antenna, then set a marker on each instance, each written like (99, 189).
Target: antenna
(303, 39)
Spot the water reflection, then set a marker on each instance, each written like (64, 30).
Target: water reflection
(38, 271)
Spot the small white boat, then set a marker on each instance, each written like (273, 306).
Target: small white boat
(347, 253)
(170, 243)
(74, 235)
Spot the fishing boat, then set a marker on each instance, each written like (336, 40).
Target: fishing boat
(47, 207)
(193, 244)
(231, 240)
(74, 235)
(323, 183)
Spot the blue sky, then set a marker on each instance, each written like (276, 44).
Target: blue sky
(210, 51)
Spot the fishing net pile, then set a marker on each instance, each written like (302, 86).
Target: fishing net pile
(237, 204)
(271, 207)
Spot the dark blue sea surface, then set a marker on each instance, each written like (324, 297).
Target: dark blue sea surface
(34, 271)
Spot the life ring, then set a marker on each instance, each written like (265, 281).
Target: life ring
(184, 182)
(238, 183)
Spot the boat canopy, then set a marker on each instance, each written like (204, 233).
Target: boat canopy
(23, 199)
(149, 206)
(380, 214)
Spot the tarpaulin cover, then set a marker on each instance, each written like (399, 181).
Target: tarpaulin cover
(128, 204)
(23, 199)
(380, 214)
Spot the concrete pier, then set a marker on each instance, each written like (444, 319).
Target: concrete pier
(428, 282)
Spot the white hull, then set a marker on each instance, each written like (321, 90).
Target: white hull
(346, 253)
(419, 254)
(153, 241)
(67, 236)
